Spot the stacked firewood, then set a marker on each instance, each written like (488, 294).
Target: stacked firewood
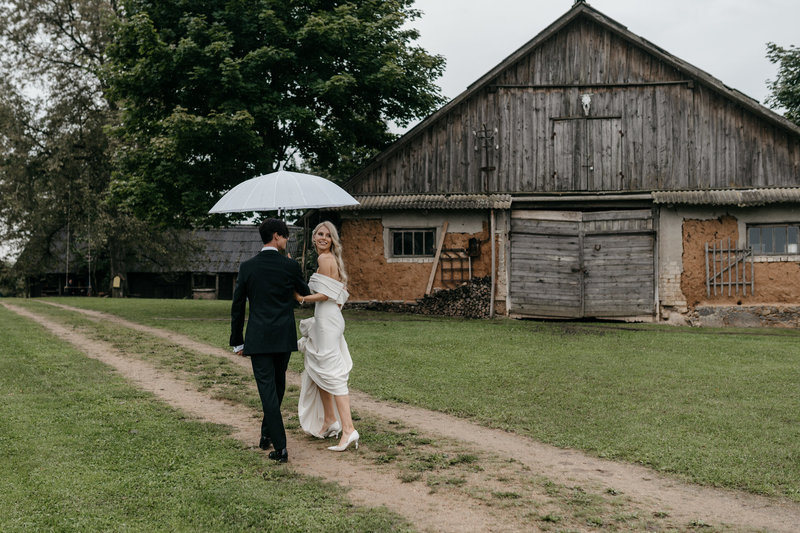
(470, 299)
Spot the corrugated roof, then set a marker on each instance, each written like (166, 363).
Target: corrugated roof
(430, 201)
(737, 197)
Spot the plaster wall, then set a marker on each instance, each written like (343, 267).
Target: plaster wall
(374, 275)
(683, 233)
(670, 263)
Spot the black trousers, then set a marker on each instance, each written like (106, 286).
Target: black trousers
(270, 372)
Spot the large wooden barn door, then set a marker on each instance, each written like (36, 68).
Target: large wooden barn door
(573, 264)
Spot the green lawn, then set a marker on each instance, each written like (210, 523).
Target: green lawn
(84, 451)
(717, 407)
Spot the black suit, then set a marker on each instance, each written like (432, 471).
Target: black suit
(269, 281)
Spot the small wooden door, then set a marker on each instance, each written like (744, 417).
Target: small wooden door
(587, 154)
(568, 161)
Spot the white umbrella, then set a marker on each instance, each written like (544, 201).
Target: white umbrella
(283, 190)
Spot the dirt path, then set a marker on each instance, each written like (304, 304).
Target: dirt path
(434, 511)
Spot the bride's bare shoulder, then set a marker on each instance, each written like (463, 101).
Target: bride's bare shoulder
(327, 266)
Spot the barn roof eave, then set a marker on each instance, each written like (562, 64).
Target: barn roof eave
(477, 201)
(752, 197)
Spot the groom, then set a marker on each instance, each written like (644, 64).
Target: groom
(269, 281)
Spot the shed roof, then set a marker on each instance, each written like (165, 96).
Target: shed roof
(737, 197)
(225, 248)
(430, 201)
(219, 250)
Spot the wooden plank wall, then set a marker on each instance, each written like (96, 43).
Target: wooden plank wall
(673, 135)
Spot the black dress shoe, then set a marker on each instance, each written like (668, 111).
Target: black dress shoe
(265, 443)
(281, 456)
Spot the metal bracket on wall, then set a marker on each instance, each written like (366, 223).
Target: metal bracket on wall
(485, 140)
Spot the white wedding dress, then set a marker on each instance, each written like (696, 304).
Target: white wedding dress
(325, 354)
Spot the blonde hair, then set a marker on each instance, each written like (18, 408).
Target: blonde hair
(336, 247)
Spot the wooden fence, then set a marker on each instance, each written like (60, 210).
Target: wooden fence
(727, 267)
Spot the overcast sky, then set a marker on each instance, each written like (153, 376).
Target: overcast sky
(726, 38)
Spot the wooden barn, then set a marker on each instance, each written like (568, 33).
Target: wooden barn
(591, 174)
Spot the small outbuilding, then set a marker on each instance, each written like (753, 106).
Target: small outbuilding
(207, 272)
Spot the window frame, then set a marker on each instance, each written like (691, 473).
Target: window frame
(412, 231)
(787, 243)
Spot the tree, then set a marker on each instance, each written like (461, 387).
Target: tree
(786, 87)
(55, 153)
(213, 92)
(53, 148)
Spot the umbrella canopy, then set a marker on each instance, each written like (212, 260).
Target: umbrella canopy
(283, 190)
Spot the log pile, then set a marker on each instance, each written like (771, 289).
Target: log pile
(471, 300)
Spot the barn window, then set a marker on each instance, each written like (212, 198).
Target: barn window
(766, 239)
(417, 242)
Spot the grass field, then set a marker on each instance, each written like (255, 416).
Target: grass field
(717, 407)
(78, 454)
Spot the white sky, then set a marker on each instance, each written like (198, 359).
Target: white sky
(726, 38)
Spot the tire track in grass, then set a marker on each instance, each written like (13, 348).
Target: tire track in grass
(366, 486)
(652, 491)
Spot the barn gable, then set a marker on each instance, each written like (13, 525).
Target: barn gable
(589, 107)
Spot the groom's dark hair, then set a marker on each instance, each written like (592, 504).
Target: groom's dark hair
(270, 227)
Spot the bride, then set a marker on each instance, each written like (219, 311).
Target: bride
(324, 397)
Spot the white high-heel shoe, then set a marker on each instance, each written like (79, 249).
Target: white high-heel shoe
(332, 431)
(353, 437)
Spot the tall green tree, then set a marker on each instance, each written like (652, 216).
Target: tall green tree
(786, 87)
(213, 92)
(55, 152)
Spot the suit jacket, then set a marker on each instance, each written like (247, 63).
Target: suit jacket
(269, 281)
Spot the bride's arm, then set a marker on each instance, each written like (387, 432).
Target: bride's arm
(316, 297)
